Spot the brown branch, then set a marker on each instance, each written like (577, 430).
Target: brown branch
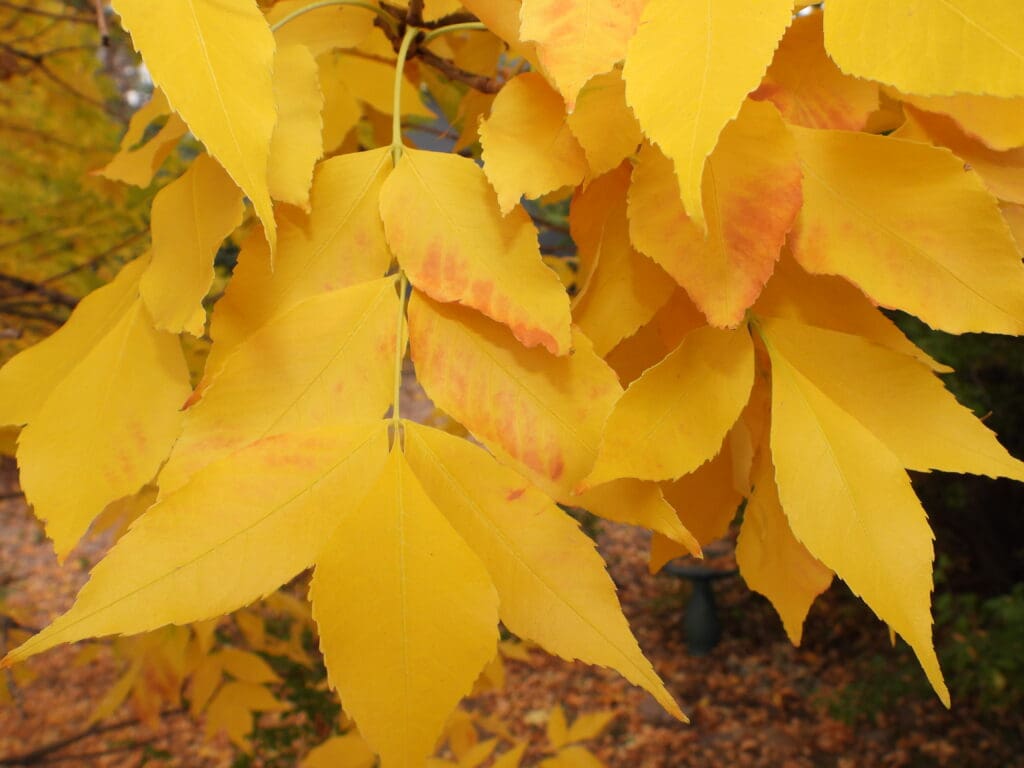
(97, 258)
(36, 12)
(40, 754)
(414, 15)
(450, 70)
(27, 286)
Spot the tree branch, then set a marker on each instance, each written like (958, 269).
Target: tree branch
(39, 755)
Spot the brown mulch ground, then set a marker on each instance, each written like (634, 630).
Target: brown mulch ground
(754, 701)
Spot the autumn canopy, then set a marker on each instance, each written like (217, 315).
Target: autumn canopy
(749, 183)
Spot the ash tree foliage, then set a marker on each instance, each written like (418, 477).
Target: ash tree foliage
(748, 182)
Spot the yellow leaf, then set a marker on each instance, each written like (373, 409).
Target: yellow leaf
(831, 302)
(191, 217)
(27, 379)
(849, 501)
(996, 123)
(930, 47)
(246, 666)
(948, 257)
(604, 124)
(275, 503)
(688, 69)
(204, 683)
(772, 561)
(552, 584)
(752, 188)
(477, 754)
(621, 289)
(322, 29)
(810, 90)
(528, 149)
(341, 244)
(136, 163)
(444, 227)
(213, 60)
(327, 360)
(542, 413)
(348, 751)
(590, 725)
(502, 18)
(232, 708)
(897, 398)
(341, 111)
(1014, 217)
(372, 82)
(1002, 172)
(557, 728)
(676, 415)
(636, 503)
(415, 623)
(572, 757)
(105, 427)
(297, 142)
(511, 758)
(577, 39)
(705, 500)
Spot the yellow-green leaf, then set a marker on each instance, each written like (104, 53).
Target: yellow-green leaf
(931, 47)
(849, 501)
(676, 415)
(191, 217)
(213, 60)
(528, 149)
(552, 583)
(577, 39)
(752, 188)
(772, 561)
(948, 257)
(298, 142)
(340, 244)
(443, 224)
(895, 397)
(274, 503)
(327, 360)
(407, 615)
(688, 69)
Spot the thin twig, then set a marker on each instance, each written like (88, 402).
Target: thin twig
(36, 756)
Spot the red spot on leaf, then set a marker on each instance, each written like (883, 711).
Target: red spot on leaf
(515, 494)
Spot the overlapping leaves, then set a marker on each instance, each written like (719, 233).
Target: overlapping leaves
(737, 227)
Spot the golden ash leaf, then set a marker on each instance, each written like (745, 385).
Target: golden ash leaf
(872, 201)
(417, 617)
(528, 149)
(931, 48)
(689, 68)
(444, 226)
(752, 185)
(214, 62)
(191, 217)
